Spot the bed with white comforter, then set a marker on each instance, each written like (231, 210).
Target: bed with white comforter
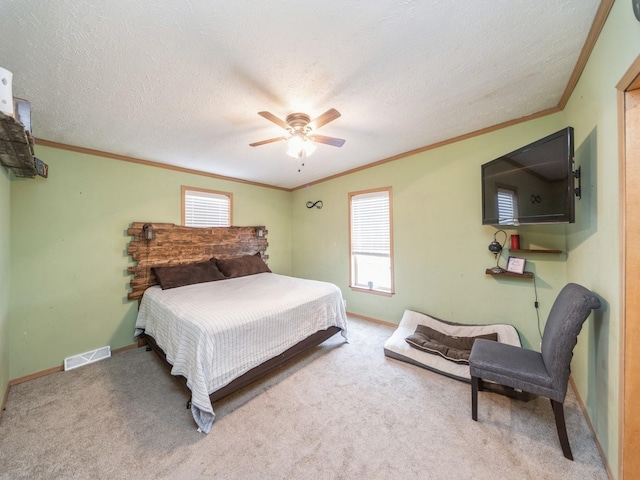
(214, 332)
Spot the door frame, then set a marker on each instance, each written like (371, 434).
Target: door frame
(628, 420)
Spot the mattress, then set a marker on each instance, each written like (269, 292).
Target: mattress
(214, 332)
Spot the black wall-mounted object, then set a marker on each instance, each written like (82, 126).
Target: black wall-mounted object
(578, 176)
(533, 184)
(317, 204)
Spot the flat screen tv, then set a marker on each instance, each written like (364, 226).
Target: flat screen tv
(531, 185)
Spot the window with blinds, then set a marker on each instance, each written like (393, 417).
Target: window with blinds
(371, 240)
(205, 208)
(507, 206)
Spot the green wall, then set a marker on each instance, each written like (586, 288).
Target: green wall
(68, 236)
(593, 242)
(440, 245)
(5, 255)
(68, 239)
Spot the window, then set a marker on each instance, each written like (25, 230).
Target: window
(507, 206)
(205, 208)
(371, 241)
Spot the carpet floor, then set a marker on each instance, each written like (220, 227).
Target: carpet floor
(343, 411)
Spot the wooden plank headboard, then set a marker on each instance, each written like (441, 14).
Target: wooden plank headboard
(177, 245)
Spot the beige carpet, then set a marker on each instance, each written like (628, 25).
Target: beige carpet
(343, 412)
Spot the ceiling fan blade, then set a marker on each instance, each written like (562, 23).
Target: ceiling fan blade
(328, 116)
(271, 117)
(263, 142)
(334, 142)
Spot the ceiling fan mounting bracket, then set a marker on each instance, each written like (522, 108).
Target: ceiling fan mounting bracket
(297, 121)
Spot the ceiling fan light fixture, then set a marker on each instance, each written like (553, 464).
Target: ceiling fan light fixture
(300, 146)
(301, 134)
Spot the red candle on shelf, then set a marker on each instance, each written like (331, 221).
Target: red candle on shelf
(515, 242)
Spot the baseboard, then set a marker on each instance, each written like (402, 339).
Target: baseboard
(125, 348)
(370, 319)
(4, 400)
(593, 432)
(49, 371)
(33, 376)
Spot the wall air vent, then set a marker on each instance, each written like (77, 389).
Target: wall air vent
(88, 357)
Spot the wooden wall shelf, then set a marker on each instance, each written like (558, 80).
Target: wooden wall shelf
(509, 274)
(16, 148)
(526, 250)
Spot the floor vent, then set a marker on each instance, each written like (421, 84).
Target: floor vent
(88, 357)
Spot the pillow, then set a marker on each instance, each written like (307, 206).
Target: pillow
(241, 266)
(453, 348)
(180, 275)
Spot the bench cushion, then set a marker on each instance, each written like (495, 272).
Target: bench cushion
(454, 348)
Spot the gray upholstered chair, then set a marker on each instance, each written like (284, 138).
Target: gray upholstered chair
(545, 374)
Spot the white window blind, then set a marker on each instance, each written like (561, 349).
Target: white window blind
(507, 207)
(206, 209)
(371, 241)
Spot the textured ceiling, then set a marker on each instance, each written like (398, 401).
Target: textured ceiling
(181, 82)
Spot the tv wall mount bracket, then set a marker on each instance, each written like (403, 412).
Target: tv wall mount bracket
(578, 190)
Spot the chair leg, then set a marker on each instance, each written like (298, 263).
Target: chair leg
(558, 412)
(474, 398)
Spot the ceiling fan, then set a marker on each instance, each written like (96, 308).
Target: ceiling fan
(300, 132)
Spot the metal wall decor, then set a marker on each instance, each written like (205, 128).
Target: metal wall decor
(317, 204)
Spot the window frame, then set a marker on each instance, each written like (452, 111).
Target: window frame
(184, 189)
(356, 288)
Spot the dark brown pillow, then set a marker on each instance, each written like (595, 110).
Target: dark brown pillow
(181, 275)
(242, 266)
(451, 347)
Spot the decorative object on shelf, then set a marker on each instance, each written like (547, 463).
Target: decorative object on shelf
(516, 265)
(317, 204)
(515, 242)
(496, 247)
(149, 232)
(6, 95)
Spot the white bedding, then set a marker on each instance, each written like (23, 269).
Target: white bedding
(214, 332)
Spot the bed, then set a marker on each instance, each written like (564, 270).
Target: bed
(221, 335)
